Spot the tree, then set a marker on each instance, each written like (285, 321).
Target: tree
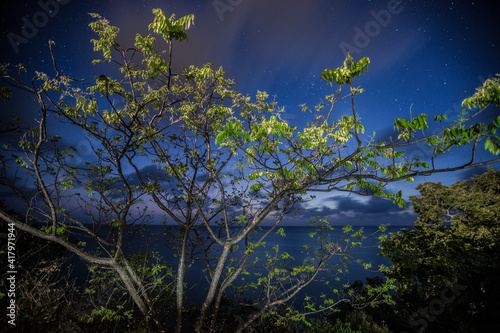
(219, 164)
(452, 254)
(43, 289)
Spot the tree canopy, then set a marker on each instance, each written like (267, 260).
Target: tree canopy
(453, 244)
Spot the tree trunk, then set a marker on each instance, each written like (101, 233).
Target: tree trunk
(110, 262)
(144, 293)
(180, 282)
(213, 288)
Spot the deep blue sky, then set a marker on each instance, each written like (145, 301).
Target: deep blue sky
(429, 55)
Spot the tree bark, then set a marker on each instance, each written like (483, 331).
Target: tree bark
(180, 282)
(213, 288)
(110, 262)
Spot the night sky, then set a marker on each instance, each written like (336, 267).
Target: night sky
(425, 55)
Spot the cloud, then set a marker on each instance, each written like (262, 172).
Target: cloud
(355, 210)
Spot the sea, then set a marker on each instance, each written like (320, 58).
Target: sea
(151, 239)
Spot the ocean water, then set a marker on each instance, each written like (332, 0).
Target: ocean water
(152, 239)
